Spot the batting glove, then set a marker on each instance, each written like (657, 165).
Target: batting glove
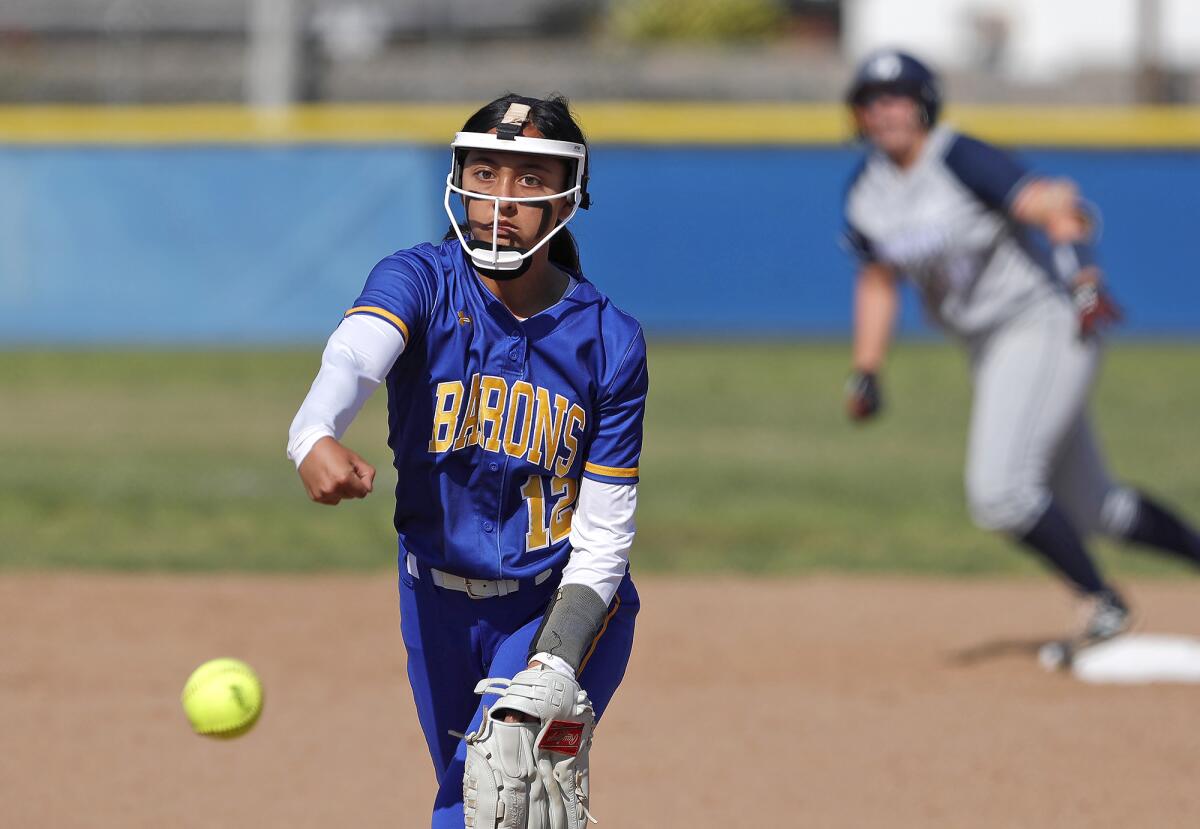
(1093, 304)
(863, 398)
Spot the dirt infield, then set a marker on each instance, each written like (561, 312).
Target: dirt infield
(828, 702)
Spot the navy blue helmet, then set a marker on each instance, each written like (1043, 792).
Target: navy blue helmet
(897, 73)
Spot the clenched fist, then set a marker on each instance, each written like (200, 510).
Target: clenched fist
(331, 472)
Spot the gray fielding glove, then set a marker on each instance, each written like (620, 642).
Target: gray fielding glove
(530, 775)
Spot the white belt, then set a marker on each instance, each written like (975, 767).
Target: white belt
(475, 588)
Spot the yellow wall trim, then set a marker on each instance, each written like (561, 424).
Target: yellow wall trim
(612, 122)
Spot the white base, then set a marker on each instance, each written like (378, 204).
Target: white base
(1140, 658)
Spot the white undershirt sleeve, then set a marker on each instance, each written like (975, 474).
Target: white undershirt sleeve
(602, 530)
(358, 356)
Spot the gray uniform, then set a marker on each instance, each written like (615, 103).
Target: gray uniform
(944, 224)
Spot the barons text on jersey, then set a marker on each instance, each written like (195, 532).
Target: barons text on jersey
(520, 411)
(532, 426)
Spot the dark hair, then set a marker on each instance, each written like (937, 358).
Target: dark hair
(553, 119)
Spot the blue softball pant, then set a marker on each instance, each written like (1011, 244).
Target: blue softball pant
(453, 641)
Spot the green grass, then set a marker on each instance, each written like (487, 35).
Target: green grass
(175, 461)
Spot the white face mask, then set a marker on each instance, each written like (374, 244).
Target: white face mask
(508, 263)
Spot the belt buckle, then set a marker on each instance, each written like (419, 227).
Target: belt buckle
(470, 585)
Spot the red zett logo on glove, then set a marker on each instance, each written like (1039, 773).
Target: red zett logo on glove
(563, 737)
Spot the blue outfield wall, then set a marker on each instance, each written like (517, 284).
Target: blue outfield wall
(243, 244)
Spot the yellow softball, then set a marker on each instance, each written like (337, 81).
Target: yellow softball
(222, 698)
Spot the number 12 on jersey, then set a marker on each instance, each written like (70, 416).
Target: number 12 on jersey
(557, 495)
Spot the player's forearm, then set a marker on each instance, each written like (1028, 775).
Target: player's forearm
(357, 357)
(602, 530)
(876, 302)
(1054, 205)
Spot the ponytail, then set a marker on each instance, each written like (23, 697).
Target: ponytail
(564, 252)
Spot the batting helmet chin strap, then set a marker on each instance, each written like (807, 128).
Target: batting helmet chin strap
(491, 258)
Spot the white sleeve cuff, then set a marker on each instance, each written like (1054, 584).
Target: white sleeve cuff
(554, 663)
(300, 445)
(357, 358)
(602, 530)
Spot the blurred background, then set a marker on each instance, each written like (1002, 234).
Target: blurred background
(275, 52)
(194, 190)
(213, 160)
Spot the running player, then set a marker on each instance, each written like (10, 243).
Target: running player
(1004, 260)
(516, 393)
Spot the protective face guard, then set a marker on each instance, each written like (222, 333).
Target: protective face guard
(492, 260)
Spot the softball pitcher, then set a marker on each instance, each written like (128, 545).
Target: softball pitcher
(516, 392)
(1004, 260)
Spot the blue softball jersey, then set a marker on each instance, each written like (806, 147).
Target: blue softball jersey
(493, 420)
